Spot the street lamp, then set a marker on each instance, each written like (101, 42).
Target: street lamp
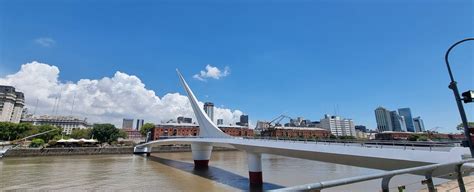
(453, 86)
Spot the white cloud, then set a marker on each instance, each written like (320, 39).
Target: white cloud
(45, 41)
(108, 99)
(211, 72)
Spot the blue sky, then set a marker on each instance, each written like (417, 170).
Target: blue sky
(300, 58)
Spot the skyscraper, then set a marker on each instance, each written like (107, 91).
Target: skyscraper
(244, 120)
(139, 124)
(209, 109)
(384, 120)
(11, 104)
(361, 128)
(398, 122)
(182, 119)
(419, 125)
(406, 113)
(127, 124)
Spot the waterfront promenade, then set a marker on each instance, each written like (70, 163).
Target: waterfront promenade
(452, 186)
(35, 152)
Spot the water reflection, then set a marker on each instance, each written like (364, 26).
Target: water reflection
(216, 174)
(175, 172)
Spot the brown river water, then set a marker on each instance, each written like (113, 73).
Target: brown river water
(174, 172)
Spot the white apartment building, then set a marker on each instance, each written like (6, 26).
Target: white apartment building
(68, 123)
(338, 126)
(11, 104)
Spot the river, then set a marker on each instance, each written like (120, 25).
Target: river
(174, 172)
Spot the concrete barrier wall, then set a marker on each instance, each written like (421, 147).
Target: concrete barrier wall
(31, 152)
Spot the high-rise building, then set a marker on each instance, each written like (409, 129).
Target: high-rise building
(384, 120)
(127, 124)
(419, 125)
(220, 121)
(338, 126)
(139, 124)
(361, 128)
(209, 109)
(406, 113)
(11, 104)
(398, 122)
(244, 120)
(182, 119)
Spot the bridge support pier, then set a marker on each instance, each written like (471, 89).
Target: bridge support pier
(142, 150)
(201, 155)
(255, 168)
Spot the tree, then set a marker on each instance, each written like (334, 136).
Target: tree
(346, 137)
(12, 131)
(413, 137)
(48, 136)
(461, 127)
(81, 133)
(422, 138)
(146, 128)
(332, 136)
(107, 133)
(37, 142)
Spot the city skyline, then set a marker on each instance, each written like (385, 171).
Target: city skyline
(261, 64)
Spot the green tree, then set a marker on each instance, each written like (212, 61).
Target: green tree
(37, 142)
(422, 138)
(413, 137)
(346, 137)
(146, 128)
(461, 127)
(12, 131)
(81, 133)
(332, 136)
(48, 136)
(107, 133)
(52, 142)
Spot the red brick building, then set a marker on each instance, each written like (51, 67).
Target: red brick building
(404, 136)
(133, 134)
(188, 129)
(301, 132)
(237, 131)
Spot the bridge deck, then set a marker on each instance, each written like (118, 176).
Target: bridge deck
(369, 156)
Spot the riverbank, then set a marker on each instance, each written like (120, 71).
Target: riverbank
(33, 152)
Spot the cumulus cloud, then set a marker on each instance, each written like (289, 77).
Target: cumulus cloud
(211, 72)
(45, 41)
(108, 99)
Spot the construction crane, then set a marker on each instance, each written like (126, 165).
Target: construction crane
(431, 132)
(271, 126)
(277, 120)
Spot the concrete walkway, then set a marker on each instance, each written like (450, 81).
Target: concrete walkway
(452, 186)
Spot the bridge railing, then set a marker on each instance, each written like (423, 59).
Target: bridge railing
(388, 175)
(369, 144)
(406, 145)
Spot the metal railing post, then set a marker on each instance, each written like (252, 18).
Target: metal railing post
(462, 188)
(429, 181)
(385, 183)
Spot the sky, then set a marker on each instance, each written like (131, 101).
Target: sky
(261, 58)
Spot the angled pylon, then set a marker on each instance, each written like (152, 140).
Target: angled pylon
(207, 128)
